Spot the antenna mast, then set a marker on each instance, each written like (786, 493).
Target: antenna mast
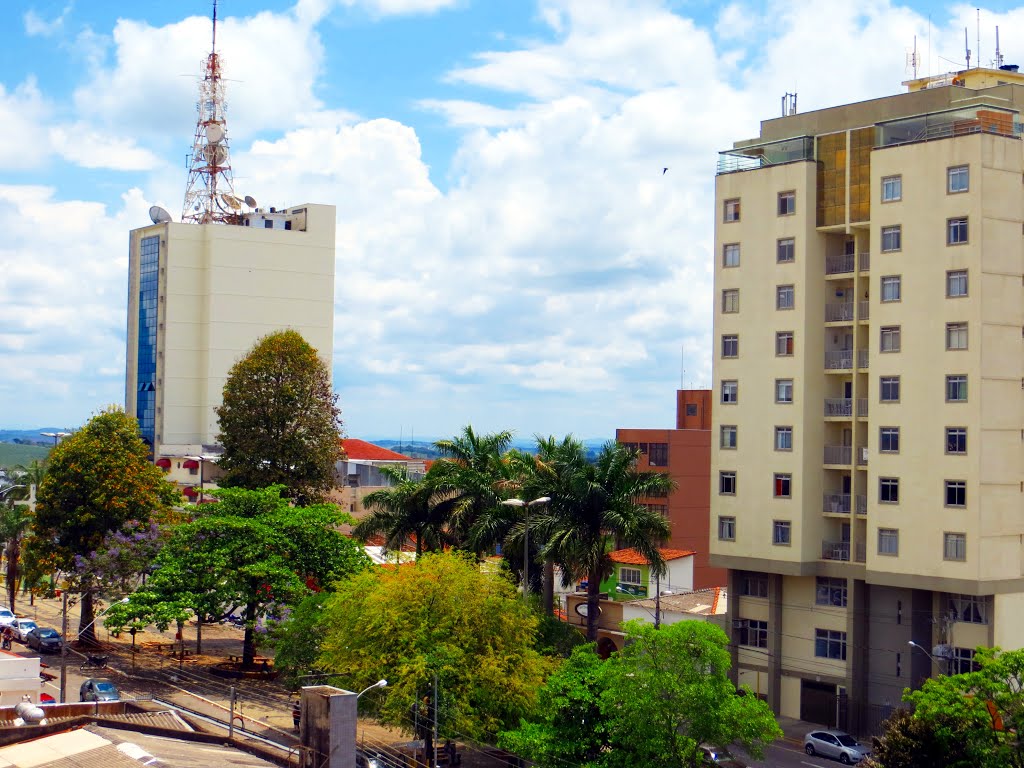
(999, 56)
(210, 194)
(967, 49)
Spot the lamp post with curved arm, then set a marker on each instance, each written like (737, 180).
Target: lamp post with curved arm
(526, 535)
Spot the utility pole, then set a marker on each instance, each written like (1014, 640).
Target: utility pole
(434, 764)
(64, 647)
(657, 601)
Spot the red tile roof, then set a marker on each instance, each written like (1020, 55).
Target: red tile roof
(632, 557)
(360, 449)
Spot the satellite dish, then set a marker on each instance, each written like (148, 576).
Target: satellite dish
(250, 201)
(215, 154)
(159, 215)
(231, 201)
(214, 133)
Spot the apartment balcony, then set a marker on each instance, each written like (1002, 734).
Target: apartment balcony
(862, 359)
(862, 504)
(839, 360)
(839, 265)
(838, 408)
(864, 310)
(862, 457)
(865, 261)
(840, 550)
(839, 454)
(860, 553)
(862, 407)
(839, 312)
(836, 503)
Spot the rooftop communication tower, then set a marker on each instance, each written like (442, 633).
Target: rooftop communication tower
(210, 195)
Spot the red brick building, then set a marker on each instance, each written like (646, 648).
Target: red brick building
(685, 454)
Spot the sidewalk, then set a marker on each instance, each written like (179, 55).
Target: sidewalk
(794, 730)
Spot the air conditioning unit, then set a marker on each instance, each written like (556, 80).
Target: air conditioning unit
(863, 454)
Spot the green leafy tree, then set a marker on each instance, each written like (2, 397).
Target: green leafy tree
(406, 510)
(652, 704)
(15, 522)
(592, 506)
(912, 742)
(98, 479)
(251, 552)
(279, 421)
(441, 616)
(298, 638)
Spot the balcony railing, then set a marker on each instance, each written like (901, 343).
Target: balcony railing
(835, 550)
(839, 312)
(836, 502)
(862, 359)
(840, 264)
(862, 407)
(838, 454)
(862, 504)
(864, 310)
(839, 360)
(865, 261)
(838, 407)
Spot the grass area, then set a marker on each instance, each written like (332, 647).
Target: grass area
(12, 454)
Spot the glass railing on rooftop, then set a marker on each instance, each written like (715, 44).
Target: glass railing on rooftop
(941, 125)
(760, 155)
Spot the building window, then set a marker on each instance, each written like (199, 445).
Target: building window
(727, 528)
(657, 455)
(753, 633)
(730, 300)
(731, 210)
(956, 336)
(782, 532)
(889, 439)
(830, 644)
(782, 486)
(956, 440)
(784, 343)
(956, 231)
(956, 493)
(956, 388)
(730, 345)
(783, 390)
(785, 297)
(958, 179)
(956, 283)
(146, 348)
(787, 203)
(892, 238)
(889, 490)
(889, 389)
(891, 288)
(969, 609)
(785, 250)
(658, 509)
(892, 189)
(962, 661)
(752, 585)
(888, 541)
(890, 338)
(731, 255)
(691, 409)
(831, 591)
(730, 391)
(954, 546)
(727, 483)
(783, 438)
(728, 436)
(630, 576)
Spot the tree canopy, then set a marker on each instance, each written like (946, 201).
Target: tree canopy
(98, 479)
(441, 616)
(653, 704)
(279, 419)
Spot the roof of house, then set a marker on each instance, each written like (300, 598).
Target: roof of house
(705, 602)
(362, 450)
(632, 557)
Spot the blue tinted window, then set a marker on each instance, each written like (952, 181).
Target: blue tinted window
(145, 399)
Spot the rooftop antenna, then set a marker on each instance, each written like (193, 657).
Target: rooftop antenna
(682, 366)
(967, 49)
(999, 56)
(912, 59)
(209, 194)
(788, 104)
(977, 30)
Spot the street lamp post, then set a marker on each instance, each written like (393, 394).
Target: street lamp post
(378, 684)
(526, 535)
(55, 435)
(64, 640)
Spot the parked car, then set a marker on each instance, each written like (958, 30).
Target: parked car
(22, 627)
(6, 617)
(98, 689)
(838, 745)
(719, 757)
(44, 640)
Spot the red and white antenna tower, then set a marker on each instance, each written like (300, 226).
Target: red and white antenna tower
(210, 194)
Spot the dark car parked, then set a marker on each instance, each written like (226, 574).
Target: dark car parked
(44, 640)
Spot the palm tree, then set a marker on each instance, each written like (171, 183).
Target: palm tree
(469, 480)
(407, 509)
(15, 521)
(593, 506)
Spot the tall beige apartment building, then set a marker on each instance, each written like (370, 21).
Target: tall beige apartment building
(868, 437)
(199, 296)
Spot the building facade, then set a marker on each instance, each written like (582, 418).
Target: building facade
(684, 453)
(199, 297)
(867, 458)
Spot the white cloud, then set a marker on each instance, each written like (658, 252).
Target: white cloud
(88, 148)
(23, 116)
(400, 7)
(37, 26)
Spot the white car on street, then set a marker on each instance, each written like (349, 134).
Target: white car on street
(6, 617)
(22, 627)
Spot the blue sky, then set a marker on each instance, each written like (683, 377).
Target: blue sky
(509, 253)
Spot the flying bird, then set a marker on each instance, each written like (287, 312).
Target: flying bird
(664, 171)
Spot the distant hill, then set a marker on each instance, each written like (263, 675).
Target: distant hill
(12, 454)
(30, 436)
(424, 449)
